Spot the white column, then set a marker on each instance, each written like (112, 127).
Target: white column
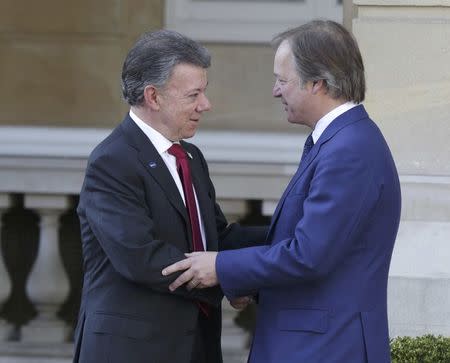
(5, 283)
(48, 285)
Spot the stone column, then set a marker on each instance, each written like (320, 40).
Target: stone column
(5, 283)
(48, 285)
(406, 50)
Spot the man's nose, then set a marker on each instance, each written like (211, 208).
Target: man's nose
(276, 92)
(204, 104)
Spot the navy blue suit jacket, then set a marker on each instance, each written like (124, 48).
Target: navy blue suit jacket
(322, 281)
(134, 223)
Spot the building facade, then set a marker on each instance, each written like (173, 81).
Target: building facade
(60, 65)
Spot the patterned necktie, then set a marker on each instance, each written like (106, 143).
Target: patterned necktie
(185, 176)
(309, 143)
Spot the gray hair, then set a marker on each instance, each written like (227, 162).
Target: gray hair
(152, 59)
(325, 50)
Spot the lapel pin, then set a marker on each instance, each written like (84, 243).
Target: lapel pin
(189, 154)
(152, 164)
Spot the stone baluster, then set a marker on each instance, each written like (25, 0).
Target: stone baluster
(234, 209)
(268, 207)
(47, 286)
(234, 339)
(5, 283)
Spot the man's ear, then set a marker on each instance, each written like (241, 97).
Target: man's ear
(152, 98)
(318, 86)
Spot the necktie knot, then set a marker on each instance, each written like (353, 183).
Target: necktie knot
(177, 151)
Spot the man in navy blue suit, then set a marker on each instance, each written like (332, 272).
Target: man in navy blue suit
(322, 279)
(147, 199)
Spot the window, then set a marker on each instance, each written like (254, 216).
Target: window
(245, 21)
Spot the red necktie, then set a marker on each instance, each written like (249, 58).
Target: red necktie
(185, 176)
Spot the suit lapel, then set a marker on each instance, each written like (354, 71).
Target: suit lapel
(301, 169)
(154, 165)
(355, 114)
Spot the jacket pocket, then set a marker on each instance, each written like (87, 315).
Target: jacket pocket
(312, 320)
(100, 323)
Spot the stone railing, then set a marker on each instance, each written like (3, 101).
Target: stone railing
(44, 169)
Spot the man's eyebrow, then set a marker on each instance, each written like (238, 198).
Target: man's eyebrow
(197, 89)
(193, 90)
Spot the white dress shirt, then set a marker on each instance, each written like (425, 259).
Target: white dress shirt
(161, 145)
(326, 120)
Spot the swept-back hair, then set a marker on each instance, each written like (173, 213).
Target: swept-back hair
(152, 59)
(325, 50)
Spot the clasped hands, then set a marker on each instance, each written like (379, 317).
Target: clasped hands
(199, 273)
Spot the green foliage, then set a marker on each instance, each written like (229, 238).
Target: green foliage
(424, 349)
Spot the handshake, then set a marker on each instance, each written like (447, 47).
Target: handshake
(199, 273)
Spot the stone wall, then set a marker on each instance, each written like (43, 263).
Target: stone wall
(60, 65)
(60, 61)
(405, 46)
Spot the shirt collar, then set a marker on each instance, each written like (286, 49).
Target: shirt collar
(160, 142)
(326, 120)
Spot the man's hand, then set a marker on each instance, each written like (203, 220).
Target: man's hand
(199, 271)
(240, 303)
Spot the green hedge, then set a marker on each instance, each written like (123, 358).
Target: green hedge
(424, 349)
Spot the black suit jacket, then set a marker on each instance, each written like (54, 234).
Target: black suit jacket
(133, 224)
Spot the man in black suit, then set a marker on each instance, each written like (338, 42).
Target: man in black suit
(137, 217)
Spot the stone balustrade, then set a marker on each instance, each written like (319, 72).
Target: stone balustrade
(43, 168)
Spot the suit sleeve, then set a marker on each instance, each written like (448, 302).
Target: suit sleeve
(341, 196)
(118, 216)
(234, 235)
